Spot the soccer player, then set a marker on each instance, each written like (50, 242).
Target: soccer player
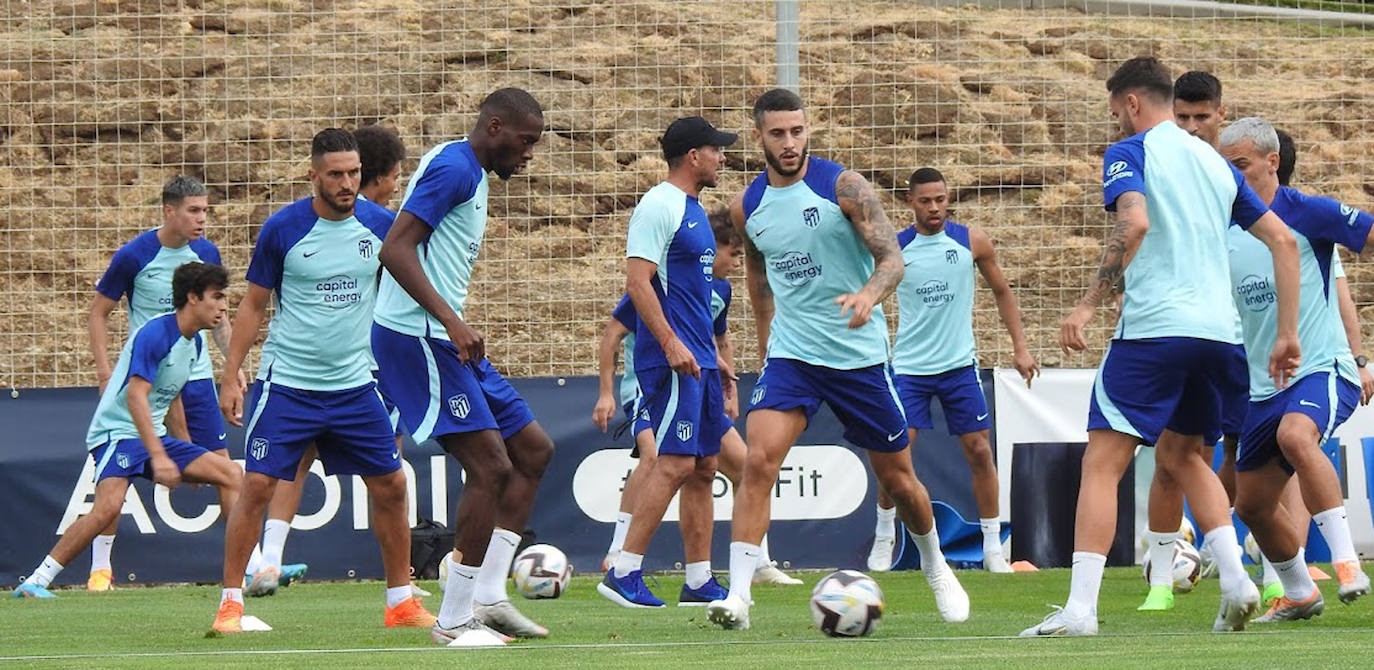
(142, 270)
(381, 151)
(1197, 105)
(127, 437)
(433, 364)
(318, 258)
(820, 258)
(1285, 427)
(1161, 379)
(934, 355)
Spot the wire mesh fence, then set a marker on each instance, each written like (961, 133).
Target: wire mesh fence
(103, 100)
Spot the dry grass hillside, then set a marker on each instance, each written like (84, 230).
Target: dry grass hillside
(102, 100)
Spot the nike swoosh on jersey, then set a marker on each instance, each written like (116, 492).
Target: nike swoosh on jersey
(308, 254)
(223, 435)
(395, 455)
(693, 224)
(893, 436)
(981, 417)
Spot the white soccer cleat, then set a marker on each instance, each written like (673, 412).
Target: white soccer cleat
(505, 619)
(950, 598)
(771, 574)
(1354, 582)
(730, 614)
(1059, 624)
(1237, 608)
(996, 563)
(471, 633)
(880, 556)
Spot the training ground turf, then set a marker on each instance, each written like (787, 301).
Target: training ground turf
(339, 625)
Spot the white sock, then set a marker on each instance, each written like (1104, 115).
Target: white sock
(1161, 548)
(1271, 574)
(626, 562)
(992, 535)
(932, 559)
(100, 552)
(491, 581)
(456, 609)
(1335, 529)
(395, 595)
(698, 574)
(255, 562)
(274, 541)
(887, 523)
(744, 559)
(1297, 581)
(764, 559)
(622, 528)
(1226, 552)
(45, 572)
(1084, 583)
(235, 595)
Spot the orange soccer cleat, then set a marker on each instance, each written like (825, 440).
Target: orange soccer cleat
(409, 614)
(229, 618)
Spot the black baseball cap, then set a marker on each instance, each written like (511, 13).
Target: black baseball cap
(690, 132)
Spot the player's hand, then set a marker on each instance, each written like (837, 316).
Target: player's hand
(1071, 329)
(1026, 365)
(680, 358)
(601, 414)
(1366, 386)
(231, 400)
(471, 345)
(858, 306)
(102, 379)
(165, 472)
(729, 390)
(1284, 361)
(243, 379)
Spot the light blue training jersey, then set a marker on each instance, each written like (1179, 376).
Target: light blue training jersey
(448, 192)
(1318, 225)
(142, 270)
(935, 302)
(1345, 358)
(627, 316)
(156, 351)
(1177, 284)
(323, 275)
(812, 256)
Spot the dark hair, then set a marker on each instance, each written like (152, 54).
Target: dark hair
(724, 228)
(331, 140)
(776, 100)
(196, 277)
(509, 104)
(1145, 74)
(675, 161)
(1288, 157)
(181, 187)
(380, 149)
(1198, 86)
(925, 175)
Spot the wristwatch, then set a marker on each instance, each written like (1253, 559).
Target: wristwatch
(1361, 361)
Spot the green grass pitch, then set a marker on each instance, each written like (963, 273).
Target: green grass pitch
(339, 625)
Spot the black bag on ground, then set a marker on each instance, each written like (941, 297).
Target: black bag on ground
(430, 542)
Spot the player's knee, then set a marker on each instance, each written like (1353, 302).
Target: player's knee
(494, 472)
(978, 452)
(104, 510)
(535, 453)
(902, 488)
(1296, 441)
(1253, 508)
(387, 491)
(256, 489)
(705, 469)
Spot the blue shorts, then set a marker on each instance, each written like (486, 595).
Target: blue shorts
(128, 458)
(1235, 401)
(439, 395)
(864, 400)
(392, 412)
(961, 396)
(350, 429)
(204, 421)
(686, 414)
(1324, 397)
(632, 408)
(1145, 387)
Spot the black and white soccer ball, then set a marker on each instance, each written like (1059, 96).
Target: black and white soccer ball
(1187, 567)
(846, 603)
(541, 571)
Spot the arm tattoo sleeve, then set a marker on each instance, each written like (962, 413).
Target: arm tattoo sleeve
(1111, 273)
(861, 204)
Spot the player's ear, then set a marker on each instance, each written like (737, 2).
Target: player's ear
(1221, 113)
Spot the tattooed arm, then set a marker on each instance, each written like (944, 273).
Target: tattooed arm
(861, 205)
(1132, 222)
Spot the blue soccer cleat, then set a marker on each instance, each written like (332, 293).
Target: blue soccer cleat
(292, 572)
(702, 595)
(627, 591)
(32, 591)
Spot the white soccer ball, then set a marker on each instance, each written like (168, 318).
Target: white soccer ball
(1187, 567)
(443, 570)
(1187, 532)
(846, 603)
(1252, 549)
(541, 571)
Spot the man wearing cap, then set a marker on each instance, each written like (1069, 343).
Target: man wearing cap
(670, 255)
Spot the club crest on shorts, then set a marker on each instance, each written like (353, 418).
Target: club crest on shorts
(811, 216)
(365, 248)
(684, 430)
(458, 405)
(757, 396)
(259, 448)
(122, 460)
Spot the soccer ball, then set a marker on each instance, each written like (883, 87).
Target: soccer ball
(846, 603)
(443, 570)
(541, 571)
(1252, 549)
(1187, 532)
(1187, 567)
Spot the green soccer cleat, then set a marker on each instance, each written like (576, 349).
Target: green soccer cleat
(1160, 599)
(1272, 592)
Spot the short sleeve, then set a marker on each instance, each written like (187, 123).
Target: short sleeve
(208, 252)
(652, 226)
(1336, 223)
(722, 288)
(1337, 267)
(1123, 170)
(1248, 207)
(445, 184)
(266, 266)
(625, 313)
(151, 345)
(119, 277)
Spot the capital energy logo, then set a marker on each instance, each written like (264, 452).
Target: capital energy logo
(1256, 293)
(935, 293)
(708, 264)
(339, 291)
(797, 268)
